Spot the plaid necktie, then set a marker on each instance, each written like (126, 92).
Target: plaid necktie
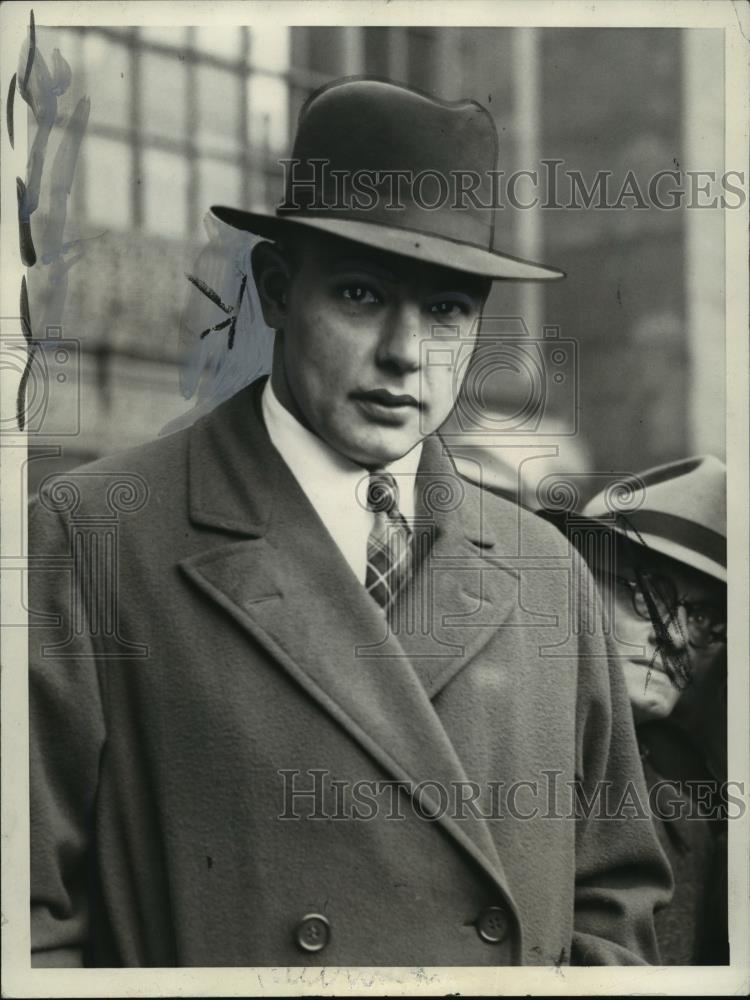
(388, 545)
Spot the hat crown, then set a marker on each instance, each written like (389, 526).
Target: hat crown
(376, 125)
(367, 131)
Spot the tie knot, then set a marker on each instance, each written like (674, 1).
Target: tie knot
(382, 493)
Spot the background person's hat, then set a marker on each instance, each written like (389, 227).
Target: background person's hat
(363, 125)
(677, 509)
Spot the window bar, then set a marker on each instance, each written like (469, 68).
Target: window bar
(298, 75)
(353, 54)
(398, 54)
(79, 199)
(191, 130)
(299, 69)
(243, 115)
(447, 68)
(527, 123)
(267, 163)
(136, 152)
(703, 144)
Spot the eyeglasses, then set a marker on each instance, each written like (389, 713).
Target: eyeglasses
(705, 620)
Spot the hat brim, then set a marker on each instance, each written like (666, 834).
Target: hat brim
(646, 541)
(426, 247)
(680, 553)
(643, 540)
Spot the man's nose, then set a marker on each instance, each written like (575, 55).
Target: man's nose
(399, 348)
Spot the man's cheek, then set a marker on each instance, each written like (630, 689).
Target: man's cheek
(439, 394)
(652, 694)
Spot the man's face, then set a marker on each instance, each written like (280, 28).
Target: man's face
(691, 608)
(351, 359)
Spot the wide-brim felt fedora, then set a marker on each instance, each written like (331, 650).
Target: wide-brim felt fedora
(678, 509)
(398, 170)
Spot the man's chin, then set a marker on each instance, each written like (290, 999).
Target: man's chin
(652, 694)
(374, 451)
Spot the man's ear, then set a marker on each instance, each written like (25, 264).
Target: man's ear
(272, 276)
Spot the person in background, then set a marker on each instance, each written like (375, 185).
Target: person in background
(662, 569)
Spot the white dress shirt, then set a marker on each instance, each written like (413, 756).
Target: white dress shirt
(333, 484)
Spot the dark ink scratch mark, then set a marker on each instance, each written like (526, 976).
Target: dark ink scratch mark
(9, 110)
(25, 312)
(25, 241)
(40, 89)
(619, 297)
(676, 664)
(217, 328)
(209, 862)
(208, 292)
(31, 350)
(243, 285)
(561, 957)
(229, 324)
(32, 51)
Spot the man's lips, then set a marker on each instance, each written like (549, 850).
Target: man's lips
(385, 398)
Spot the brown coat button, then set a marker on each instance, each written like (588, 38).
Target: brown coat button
(493, 925)
(313, 932)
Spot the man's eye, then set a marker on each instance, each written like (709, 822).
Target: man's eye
(360, 294)
(449, 309)
(701, 614)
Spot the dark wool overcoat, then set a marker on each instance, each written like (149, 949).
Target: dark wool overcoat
(236, 760)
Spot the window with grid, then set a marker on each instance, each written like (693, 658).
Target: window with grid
(181, 118)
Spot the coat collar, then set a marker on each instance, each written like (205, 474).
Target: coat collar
(233, 467)
(284, 580)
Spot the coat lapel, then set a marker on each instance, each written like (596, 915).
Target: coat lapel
(286, 582)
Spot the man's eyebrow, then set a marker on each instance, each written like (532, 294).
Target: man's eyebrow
(363, 264)
(462, 285)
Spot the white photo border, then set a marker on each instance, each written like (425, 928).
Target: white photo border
(19, 979)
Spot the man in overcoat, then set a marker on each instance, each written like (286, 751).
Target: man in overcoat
(300, 694)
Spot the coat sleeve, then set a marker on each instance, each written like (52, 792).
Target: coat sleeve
(622, 874)
(67, 734)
